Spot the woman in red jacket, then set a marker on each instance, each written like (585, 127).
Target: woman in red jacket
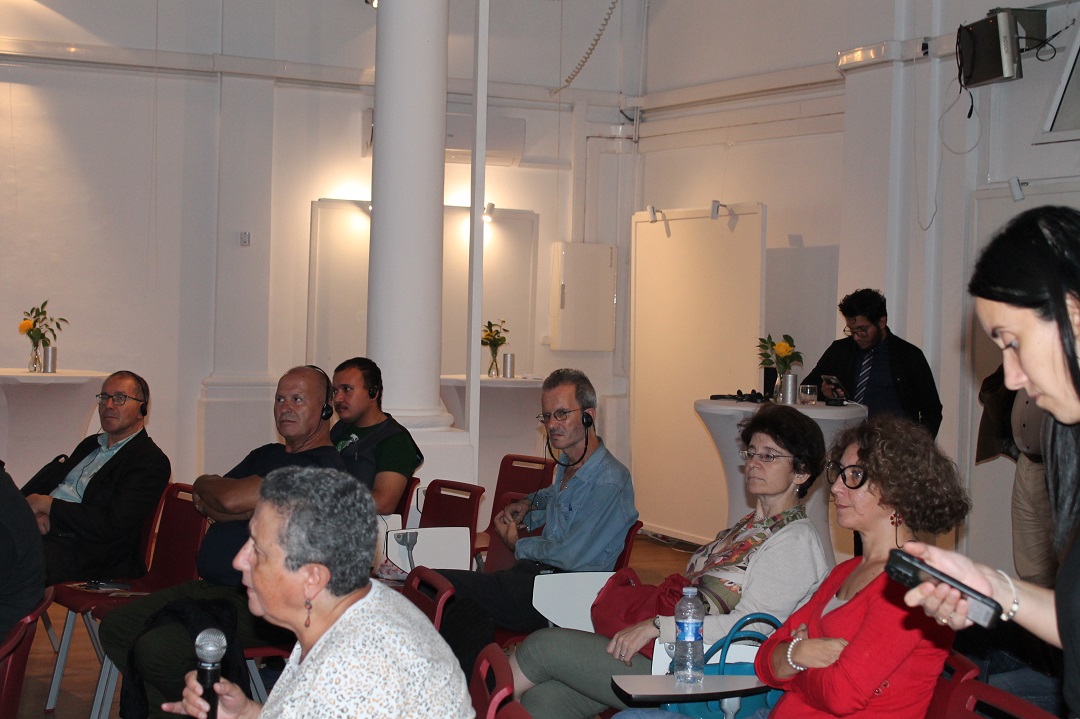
(854, 649)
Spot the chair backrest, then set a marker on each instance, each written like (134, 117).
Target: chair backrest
(405, 503)
(178, 537)
(430, 591)
(513, 710)
(978, 699)
(624, 557)
(452, 504)
(958, 668)
(14, 653)
(523, 473)
(149, 529)
(492, 681)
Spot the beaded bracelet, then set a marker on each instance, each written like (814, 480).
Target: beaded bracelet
(790, 661)
(1007, 616)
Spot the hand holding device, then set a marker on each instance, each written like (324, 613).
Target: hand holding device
(911, 571)
(834, 386)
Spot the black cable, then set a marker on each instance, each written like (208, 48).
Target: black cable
(1045, 42)
(570, 464)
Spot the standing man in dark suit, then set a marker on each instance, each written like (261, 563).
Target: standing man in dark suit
(877, 368)
(91, 506)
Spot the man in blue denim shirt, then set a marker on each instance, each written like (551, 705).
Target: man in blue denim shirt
(585, 513)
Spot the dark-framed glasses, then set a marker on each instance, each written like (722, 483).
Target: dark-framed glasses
(853, 476)
(858, 331)
(747, 455)
(558, 415)
(118, 399)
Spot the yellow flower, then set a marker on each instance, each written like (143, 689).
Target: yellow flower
(25, 326)
(783, 349)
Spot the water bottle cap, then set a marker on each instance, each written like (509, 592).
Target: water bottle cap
(689, 591)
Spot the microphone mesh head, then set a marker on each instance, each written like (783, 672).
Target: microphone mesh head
(210, 645)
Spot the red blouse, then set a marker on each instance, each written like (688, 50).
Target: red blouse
(889, 667)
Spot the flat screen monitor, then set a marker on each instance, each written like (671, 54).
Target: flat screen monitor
(988, 51)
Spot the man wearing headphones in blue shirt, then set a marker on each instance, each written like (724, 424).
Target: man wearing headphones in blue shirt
(585, 513)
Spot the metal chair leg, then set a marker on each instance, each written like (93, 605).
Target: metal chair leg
(50, 631)
(62, 651)
(258, 689)
(106, 688)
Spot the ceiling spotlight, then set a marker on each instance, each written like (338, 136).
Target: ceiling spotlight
(372, 3)
(489, 210)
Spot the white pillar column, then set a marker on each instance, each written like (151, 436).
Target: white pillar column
(405, 277)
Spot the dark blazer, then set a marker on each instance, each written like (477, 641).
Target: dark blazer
(911, 375)
(99, 538)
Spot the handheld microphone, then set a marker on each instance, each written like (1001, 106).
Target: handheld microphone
(209, 649)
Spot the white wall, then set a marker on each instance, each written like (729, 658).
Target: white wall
(120, 196)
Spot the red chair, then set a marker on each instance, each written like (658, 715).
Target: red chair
(513, 710)
(492, 682)
(430, 591)
(978, 699)
(404, 505)
(452, 504)
(179, 533)
(14, 653)
(522, 475)
(958, 668)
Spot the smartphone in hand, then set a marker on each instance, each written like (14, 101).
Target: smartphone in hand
(835, 385)
(912, 571)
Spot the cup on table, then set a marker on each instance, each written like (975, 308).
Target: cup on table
(808, 394)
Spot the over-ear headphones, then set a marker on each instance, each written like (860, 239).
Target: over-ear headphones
(328, 407)
(586, 419)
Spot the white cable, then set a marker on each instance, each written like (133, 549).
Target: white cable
(592, 46)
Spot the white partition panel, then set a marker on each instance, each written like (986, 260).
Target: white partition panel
(696, 315)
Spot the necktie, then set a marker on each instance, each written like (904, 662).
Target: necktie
(864, 377)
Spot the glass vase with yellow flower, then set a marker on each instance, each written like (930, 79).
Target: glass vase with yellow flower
(781, 355)
(41, 329)
(493, 336)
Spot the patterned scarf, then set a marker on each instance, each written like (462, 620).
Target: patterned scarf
(719, 568)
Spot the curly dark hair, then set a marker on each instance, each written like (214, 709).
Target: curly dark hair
(795, 433)
(909, 472)
(868, 303)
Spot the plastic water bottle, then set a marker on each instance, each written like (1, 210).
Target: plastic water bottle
(689, 648)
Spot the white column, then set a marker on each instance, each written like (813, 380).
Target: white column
(405, 277)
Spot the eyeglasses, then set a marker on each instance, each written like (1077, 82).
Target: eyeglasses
(858, 331)
(852, 475)
(763, 456)
(559, 415)
(119, 399)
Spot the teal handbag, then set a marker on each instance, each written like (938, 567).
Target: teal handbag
(750, 705)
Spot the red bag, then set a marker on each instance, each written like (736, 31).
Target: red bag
(624, 600)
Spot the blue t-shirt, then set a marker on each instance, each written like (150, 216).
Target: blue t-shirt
(225, 539)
